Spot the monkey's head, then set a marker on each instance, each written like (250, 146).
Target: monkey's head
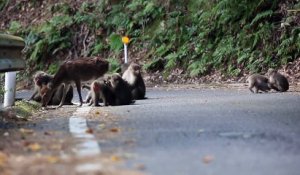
(115, 79)
(37, 78)
(135, 68)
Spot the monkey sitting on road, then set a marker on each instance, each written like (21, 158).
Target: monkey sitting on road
(114, 91)
(121, 90)
(277, 81)
(258, 82)
(101, 91)
(41, 81)
(135, 80)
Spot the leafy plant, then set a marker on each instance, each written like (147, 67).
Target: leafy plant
(114, 65)
(15, 27)
(115, 42)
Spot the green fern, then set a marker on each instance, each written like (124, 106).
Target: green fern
(261, 16)
(115, 42)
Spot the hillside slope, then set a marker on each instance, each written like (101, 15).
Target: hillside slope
(186, 41)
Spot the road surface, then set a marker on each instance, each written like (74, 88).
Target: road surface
(213, 131)
(205, 131)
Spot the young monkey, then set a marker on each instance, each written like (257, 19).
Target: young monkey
(258, 82)
(277, 81)
(101, 91)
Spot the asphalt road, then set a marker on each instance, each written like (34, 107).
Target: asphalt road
(209, 132)
(216, 131)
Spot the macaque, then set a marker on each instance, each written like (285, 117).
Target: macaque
(79, 70)
(277, 81)
(135, 80)
(41, 80)
(258, 82)
(101, 91)
(124, 67)
(121, 90)
(58, 94)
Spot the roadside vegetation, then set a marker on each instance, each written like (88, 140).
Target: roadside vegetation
(196, 37)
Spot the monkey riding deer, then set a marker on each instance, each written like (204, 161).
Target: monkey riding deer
(135, 80)
(79, 70)
(41, 80)
(277, 81)
(259, 82)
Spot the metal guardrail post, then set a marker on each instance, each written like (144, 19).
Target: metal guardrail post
(10, 61)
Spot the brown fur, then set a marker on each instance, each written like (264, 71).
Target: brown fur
(277, 81)
(258, 82)
(135, 80)
(121, 90)
(101, 91)
(41, 81)
(79, 70)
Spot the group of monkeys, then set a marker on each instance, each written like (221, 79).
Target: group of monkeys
(273, 80)
(115, 89)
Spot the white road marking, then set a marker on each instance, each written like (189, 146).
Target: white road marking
(88, 145)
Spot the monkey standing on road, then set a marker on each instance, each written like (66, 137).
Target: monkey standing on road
(258, 82)
(135, 80)
(277, 81)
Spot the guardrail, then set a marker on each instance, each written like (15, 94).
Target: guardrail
(10, 61)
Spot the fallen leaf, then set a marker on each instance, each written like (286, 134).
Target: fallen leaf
(102, 126)
(114, 129)
(90, 131)
(52, 159)
(97, 112)
(26, 131)
(3, 159)
(115, 158)
(208, 159)
(34, 147)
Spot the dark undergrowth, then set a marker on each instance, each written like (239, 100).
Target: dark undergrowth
(194, 36)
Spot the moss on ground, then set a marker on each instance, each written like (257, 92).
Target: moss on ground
(24, 109)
